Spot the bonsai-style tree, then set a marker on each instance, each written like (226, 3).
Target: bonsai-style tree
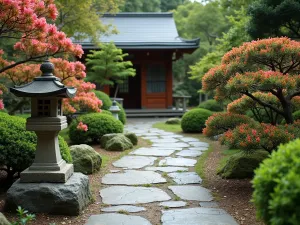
(25, 22)
(268, 66)
(107, 66)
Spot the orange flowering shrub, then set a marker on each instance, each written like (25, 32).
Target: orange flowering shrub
(268, 66)
(250, 137)
(221, 122)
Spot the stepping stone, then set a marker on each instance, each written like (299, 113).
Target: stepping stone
(150, 134)
(195, 193)
(115, 171)
(116, 219)
(152, 152)
(165, 140)
(189, 153)
(177, 162)
(188, 139)
(134, 162)
(124, 195)
(167, 169)
(198, 148)
(199, 144)
(133, 177)
(172, 145)
(127, 208)
(186, 178)
(153, 138)
(209, 204)
(168, 148)
(172, 135)
(193, 216)
(173, 204)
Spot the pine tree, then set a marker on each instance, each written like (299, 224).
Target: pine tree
(107, 66)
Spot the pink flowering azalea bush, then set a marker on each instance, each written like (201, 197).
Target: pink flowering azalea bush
(30, 23)
(83, 127)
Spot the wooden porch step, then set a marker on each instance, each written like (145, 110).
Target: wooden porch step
(136, 113)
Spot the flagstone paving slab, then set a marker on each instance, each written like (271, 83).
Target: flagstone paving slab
(153, 152)
(200, 148)
(209, 204)
(116, 219)
(185, 178)
(166, 147)
(124, 195)
(133, 177)
(115, 171)
(173, 204)
(199, 144)
(127, 208)
(189, 153)
(167, 169)
(188, 192)
(169, 161)
(134, 162)
(166, 140)
(172, 145)
(193, 216)
(188, 139)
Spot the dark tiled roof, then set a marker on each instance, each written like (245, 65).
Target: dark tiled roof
(144, 31)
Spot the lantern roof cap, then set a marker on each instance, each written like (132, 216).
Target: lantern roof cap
(47, 85)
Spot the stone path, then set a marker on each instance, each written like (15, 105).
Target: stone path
(158, 185)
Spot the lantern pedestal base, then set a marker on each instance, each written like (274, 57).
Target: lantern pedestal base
(69, 198)
(44, 176)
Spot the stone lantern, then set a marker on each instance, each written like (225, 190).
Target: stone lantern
(115, 109)
(46, 121)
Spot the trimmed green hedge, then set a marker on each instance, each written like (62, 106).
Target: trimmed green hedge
(193, 121)
(17, 146)
(212, 105)
(107, 103)
(98, 125)
(277, 186)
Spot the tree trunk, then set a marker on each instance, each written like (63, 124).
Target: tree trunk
(18, 106)
(288, 114)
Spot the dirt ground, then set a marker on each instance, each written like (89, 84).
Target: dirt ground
(233, 195)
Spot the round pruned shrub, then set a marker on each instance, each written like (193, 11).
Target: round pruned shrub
(106, 112)
(277, 187)
(89, 128)
(107, 103)
(296, 115)
(193, 121)
(17, 146)
(221, 122)
(212, 105)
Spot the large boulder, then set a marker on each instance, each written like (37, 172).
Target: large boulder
(173, 121)
(68, 198)
(105, 138)
(132, 137)
(3, 220)
(242, 165)
(85, 159)
(118, 143)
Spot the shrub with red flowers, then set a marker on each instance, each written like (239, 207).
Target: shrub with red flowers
(268, 66)
(254, 136)
(219, 123)
(83, 127)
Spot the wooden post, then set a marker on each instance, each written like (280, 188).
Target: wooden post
(169, 85)
(144, 86)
